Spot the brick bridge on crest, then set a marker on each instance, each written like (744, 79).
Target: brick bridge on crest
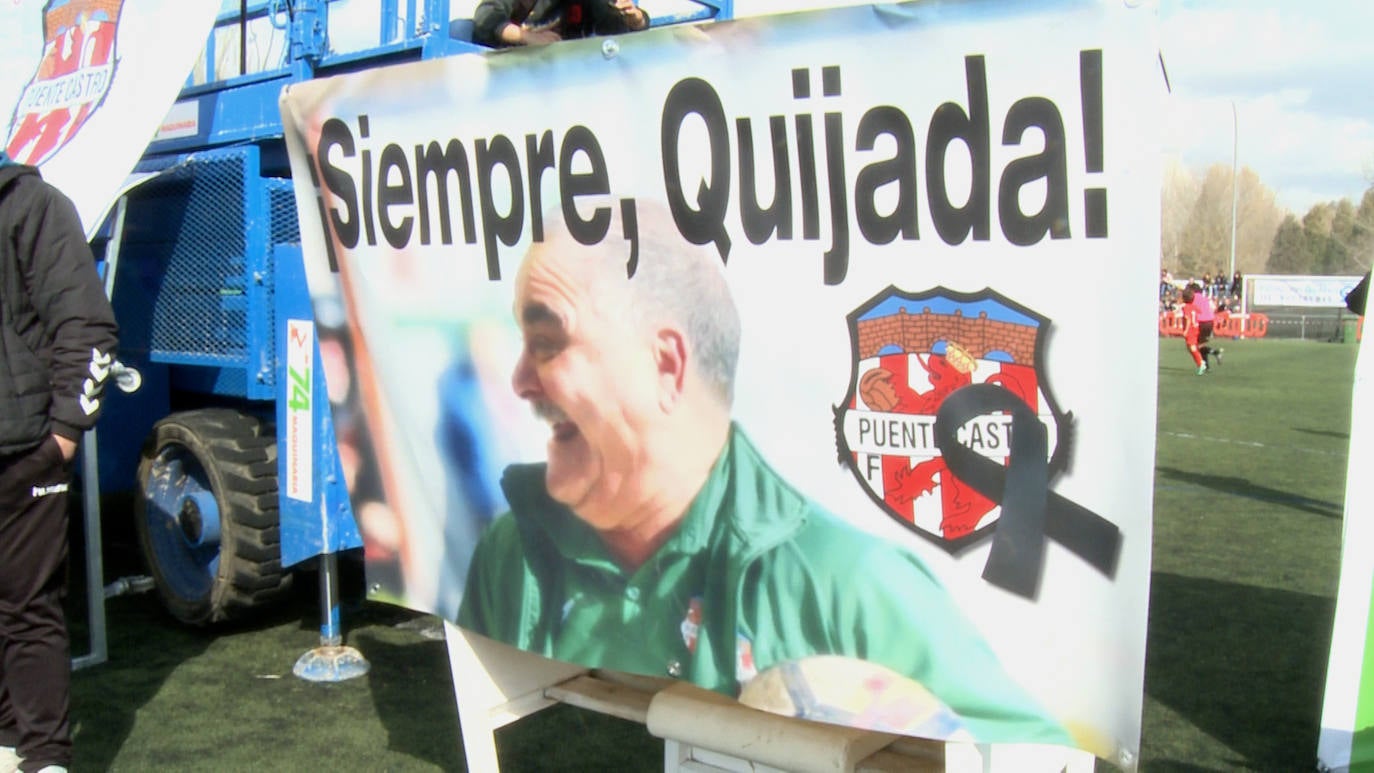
(919, 332)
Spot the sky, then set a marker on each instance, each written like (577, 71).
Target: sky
(1301, 76)
(1299, 72)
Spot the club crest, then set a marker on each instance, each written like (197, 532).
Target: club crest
(71, 79)
(909, 354)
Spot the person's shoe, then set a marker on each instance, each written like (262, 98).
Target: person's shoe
(9, 759)
(52, 769)
(1202, 369)
(1217, 354)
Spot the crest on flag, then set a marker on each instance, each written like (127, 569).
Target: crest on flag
(71, 80)
(909, 354)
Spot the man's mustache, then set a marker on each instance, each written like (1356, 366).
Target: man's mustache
(547, 411)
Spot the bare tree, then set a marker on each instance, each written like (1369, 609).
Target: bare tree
(1178, 194)
(1205, 242)
(1336, 258)
(1361, 239)
(1257, 216)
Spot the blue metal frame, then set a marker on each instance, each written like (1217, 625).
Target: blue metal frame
(239, 122)
(230, 273)
(324, 524)
(243, 108)
(260, 284)
(707, 10)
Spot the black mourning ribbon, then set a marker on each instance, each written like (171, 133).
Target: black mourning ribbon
(1030, 511)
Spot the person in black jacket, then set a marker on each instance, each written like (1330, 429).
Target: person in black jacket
(500, 23)
(57, 345)
(1358, 295)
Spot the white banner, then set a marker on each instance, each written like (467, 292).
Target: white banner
(894, 196)
(1315, 291)
(84, 84)
(1347, 730)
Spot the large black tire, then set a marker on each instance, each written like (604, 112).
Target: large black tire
(207, 514)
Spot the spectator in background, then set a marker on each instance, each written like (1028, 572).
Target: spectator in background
(502, 23)
(1168, 291)
(1236, 285)
(1218, 289)
(1171, 299)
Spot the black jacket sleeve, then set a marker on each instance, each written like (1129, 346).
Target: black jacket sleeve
(488, 19)
(1355, 299)
(67, 296)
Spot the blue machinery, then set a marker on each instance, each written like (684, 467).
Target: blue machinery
(204, 264)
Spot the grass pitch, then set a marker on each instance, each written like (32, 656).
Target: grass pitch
(1249, 490)
(1249, 484)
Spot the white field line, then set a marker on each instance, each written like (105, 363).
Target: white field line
(1252, 444)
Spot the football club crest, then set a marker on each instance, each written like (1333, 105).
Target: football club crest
(71, 80)
(950, 426)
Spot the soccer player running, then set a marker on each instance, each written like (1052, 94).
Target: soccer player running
(1198, 317)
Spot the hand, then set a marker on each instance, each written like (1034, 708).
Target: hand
(514, 35)
(540, 37)
(634, 17)
(68, 447)
(529, 37)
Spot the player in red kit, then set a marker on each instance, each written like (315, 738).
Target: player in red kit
(1198, 316)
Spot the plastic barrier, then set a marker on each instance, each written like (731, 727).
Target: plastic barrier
(1171, 323)
(1228, 325)
(1256, 325)
(1225, 325)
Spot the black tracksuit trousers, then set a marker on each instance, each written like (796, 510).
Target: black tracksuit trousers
(35, 659)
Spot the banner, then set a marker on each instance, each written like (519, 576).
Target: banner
(1347, 731)
(84, 84)
(1316, 291)
(769, 354)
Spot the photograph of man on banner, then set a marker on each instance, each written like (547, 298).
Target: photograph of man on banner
(657, 539)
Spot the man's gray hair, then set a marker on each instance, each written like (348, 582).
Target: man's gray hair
(674, 282)
(681, 283)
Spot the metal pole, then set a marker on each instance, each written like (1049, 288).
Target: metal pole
(90, 485)
(95, 566)
(1235, 190)
(243, 37)
(330, 635)
(332, 661)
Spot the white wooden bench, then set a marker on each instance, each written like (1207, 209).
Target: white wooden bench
(496, 684)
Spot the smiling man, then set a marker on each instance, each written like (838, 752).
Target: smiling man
(656, 539)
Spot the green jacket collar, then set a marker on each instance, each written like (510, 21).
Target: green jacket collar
(760, 511)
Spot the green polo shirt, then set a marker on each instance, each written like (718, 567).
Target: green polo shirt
(631, 621)
(756, 575)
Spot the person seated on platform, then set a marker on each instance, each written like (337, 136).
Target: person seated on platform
(504, 23)
(657, 539)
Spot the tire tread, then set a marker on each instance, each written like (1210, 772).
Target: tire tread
(239, 452)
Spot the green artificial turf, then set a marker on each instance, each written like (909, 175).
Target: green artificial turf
(1249, 486)
(1248, 507)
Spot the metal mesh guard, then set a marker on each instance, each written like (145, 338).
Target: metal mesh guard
(200, 308)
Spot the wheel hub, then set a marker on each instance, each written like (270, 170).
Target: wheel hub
(198, 519)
